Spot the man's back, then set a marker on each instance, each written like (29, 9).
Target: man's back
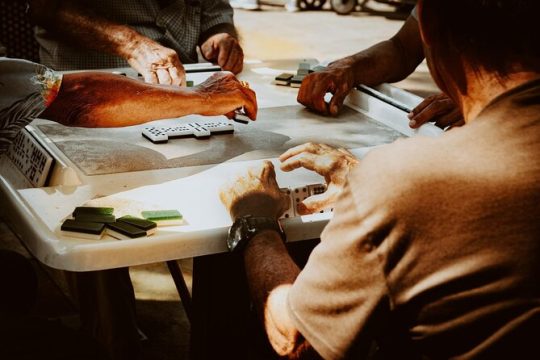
(437, 243)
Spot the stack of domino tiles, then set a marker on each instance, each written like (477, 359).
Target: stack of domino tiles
(295, 81)
(94, 222)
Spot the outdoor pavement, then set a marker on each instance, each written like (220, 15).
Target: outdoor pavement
(50, 331)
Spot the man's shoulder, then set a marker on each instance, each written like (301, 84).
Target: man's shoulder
(403, 161)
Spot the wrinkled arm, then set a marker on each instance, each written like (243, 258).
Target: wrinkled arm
(92, 99)
(86, 28)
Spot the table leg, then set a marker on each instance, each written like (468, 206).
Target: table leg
(181, 287)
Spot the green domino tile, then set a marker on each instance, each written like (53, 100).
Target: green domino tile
(159, 215)
(125, 230)
(138, 222)
(82, 227)
(95, 218)
(93, 210)
(190, 83)
(284, 77)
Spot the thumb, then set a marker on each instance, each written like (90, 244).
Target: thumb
(337, 101)
(315, 203)
(208, 50)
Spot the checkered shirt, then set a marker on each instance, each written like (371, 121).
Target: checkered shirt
(177, 24)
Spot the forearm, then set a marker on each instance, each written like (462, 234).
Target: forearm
(388, 61)
(86, 28)
(106, 100)
(270, 272)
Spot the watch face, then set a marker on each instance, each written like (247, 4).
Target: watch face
(235, 234)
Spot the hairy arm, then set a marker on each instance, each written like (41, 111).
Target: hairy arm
(86, 28)
(271, 272)
(93, 99)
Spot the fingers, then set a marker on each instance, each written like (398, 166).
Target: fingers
(311, 156)
(208, 51)
(163, 76)
(228, 94)
(177, 72)
(235, 60)
(250, 103)
(337, 100)
(432, 108)
(158, 64)
(316, 203)
(448, 119)
(223, 54)
(312, 91)
(307, 147)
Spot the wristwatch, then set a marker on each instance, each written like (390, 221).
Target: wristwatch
(246, 227)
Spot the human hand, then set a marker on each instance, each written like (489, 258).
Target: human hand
(436, 108)
(337, 79)
(255, 193)
(334, 164)
(224, 50)
(223, 94)
(156, 63)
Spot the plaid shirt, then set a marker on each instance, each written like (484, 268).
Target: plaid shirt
(178, 24)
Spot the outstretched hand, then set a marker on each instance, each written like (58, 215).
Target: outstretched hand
(224, 93)
(334, 164)
(255, 193)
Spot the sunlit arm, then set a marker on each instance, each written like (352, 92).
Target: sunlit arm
(93, 99)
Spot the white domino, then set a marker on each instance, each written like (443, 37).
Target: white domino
(155, 135)
(220, 127)
(299, 194)
(31, 158)
(198, 130)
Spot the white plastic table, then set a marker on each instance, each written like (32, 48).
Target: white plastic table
(35, 214)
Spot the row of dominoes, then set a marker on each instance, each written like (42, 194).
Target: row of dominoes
(162, 134)
(299, 194)
(32, 159)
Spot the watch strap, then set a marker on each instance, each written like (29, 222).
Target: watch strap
(246, 227)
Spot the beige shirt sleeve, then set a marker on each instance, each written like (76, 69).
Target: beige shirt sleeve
(340, 299)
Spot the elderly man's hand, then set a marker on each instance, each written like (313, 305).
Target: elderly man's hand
(224, 94)
(156, 63)
(436, 108)
(224, 50)
(256, 193)
(337, 79)
(334, 164)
